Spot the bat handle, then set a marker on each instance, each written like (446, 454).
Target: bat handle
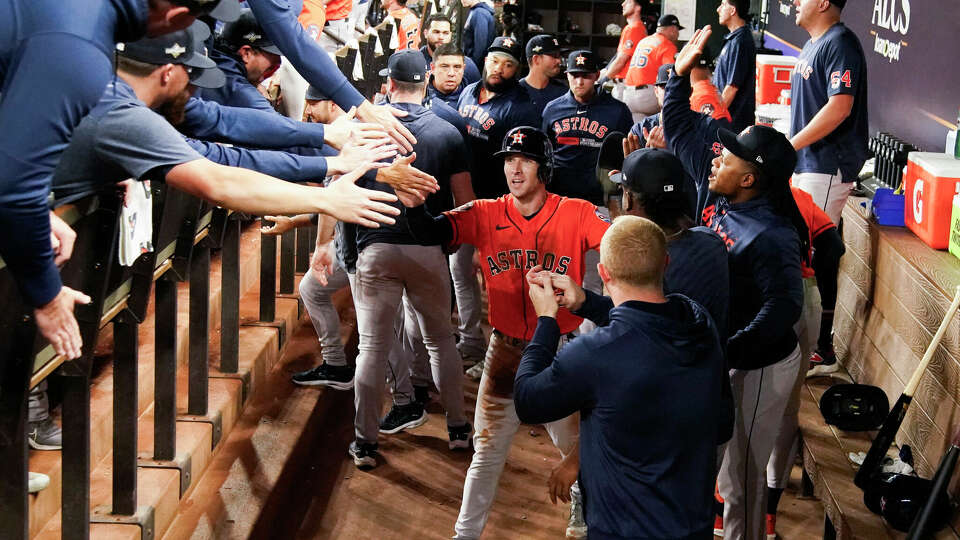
(915, 379)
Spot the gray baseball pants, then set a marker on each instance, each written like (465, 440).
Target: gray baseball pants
(467, 290)
(384, 273)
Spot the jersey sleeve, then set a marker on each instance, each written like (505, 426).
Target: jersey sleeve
(594, 224)
(843, 65)
(465, 220)
(737, 74)
(139, 140)
(249, 127)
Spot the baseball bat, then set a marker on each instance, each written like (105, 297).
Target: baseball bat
(925, 523)
(891, 424)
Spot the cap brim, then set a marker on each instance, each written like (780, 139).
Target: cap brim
(226, 11)
(729, 141)
(208, 78)
(271, 49)
(582, 70)
(197, 60)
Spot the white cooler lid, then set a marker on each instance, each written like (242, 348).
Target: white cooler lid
(937, 163)
(776, 59)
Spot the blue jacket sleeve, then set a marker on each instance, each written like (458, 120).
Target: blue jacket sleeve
(775, 265)
(210, 120)
(687, 132)
(38, 116)
(596, 308)
(549, 386)
(283, 165)
(279, 21)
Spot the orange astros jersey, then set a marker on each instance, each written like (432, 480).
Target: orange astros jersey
(631, 35)
(651, 53)
(408, 29)
(509, 245)
(817, 221)
(705, 99)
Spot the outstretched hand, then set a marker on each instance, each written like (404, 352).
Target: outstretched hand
(281, 224)
(402, 176)
(654, 137)
(631, 143)
(691, 52)
(57, 324)
(386, 116)
(337, 133)
(346, 201)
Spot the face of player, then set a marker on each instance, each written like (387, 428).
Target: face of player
(582, 85)
(548, 64)
(521, 173)
(447, 73)
(807, 11)
(499, 69)
(260, 64)
(727, 175)
(437, 34)
(725, 11)
(321, 111)
(671, 32)
(628, 8)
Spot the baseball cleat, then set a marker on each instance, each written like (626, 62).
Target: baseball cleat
(403, 417)
(771, 527)
(460, 436)
(364, 454)
(576, 526)
(336, 377)
(823, 362)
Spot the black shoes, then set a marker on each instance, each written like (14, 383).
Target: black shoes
(336, 377)
(403, 417)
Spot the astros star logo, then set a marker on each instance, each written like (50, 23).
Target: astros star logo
(176, 50)
(518, 138)
(508, 42)
(581, 60)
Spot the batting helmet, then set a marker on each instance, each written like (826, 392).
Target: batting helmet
(532, 143)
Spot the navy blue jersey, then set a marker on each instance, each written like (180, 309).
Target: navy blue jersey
(737, 66)
(539, 97)
(479, 31)
(486, 125)
(833, 64)
(470, 72)
(448, 113)
(55, 61)
(766, 291)
(577, 130)
(237, 90)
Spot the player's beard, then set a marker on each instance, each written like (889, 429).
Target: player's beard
(500, 87)
(173, 110)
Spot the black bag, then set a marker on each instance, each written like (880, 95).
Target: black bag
(854, 407)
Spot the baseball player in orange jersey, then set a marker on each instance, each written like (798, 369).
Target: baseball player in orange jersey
(408, 25)
(652, 52)
(631, 34)
(514, 233)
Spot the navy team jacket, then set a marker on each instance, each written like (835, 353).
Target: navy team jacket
(766, 290)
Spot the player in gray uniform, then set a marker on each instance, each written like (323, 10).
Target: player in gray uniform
(392, 263)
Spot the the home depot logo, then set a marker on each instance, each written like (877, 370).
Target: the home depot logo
(892, 15)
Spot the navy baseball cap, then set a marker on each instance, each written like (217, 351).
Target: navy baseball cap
(506, 45)
(764, 147)
(407, 65)
(543, 44)
(315, 94)
(181, 47)
(247, 31)
(664, 74)
(839, 3)
(669, 20)
(651, 170)
(221, 10)
(582, 61)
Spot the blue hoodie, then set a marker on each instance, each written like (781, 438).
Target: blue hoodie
(237, 91)
(478, 32)
(647, 387)
(766, 290)
(55, 60)
(248, 127)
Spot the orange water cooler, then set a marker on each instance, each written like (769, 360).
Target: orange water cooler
(929, 185)
(773, 76)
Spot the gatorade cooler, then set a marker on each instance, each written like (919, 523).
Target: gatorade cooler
(773, 76)
(955, 228)
(929, 186)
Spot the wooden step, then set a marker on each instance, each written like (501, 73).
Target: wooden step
(259, 349)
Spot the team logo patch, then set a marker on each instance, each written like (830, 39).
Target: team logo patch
(508, 42)
(518, 138)
(581, 60)
(252, 37)
(707, 109)
(628, 44)
(176, 50)
(601, 215)
(538, 48)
